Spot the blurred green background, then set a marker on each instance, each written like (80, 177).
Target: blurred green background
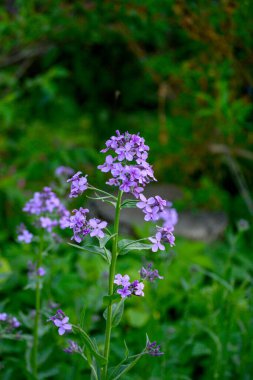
(180, 73)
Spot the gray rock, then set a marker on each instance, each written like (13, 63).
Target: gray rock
(201, 225)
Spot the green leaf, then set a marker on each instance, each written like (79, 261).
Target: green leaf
(127, 245)
(129, 203)
(121, 369)
(109, 300)
(103, 252)
(90, 346)
(105, 239)
(117, 312)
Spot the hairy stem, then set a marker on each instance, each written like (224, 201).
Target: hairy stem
(37, 315)
(111, 279)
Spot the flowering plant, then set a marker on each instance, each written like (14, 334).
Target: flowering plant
(126, 163)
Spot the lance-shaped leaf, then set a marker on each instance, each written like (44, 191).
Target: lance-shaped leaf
(129, 203)
(103, 241)
(127, 245)
(90, 345)
(103, 252)
(125, 365)
(117, 312)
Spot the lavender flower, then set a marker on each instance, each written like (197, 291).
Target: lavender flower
(41, 272)
(14, 322)
(72, 347)
(122, 280)
(149, 274)
(138, 289)
(64, 171)
(152, 207)
(128, 288)
(45, 201)
(48, 223)
(157, 245)
(61, 320)
(128, 166)
(124, 292)
(24, 236)
(163, 235)
(78, 185)
(9, 322)
(169, 216)
(82, 226)
(153, 349)
(96, 228)
(3, 316)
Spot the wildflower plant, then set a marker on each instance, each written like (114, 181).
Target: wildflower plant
(129, 173)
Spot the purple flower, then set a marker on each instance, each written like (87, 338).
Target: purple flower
(157, 245)
(14, 322)
(41, 272)
(48, 223)
(82, 226)
(61, 320)
(138, 289)
(63, 325)
(128, 288)
(169, 216)
(108, 165)
(124, 292)
(167, 235)
(44, 202)
(24, 236)
(152, 207)
(128, 166)
(122, 280)
(64, 171)
(3, 316)
(78, 185)
(72, 347)
(64, 219)
(153, 349)
(79, 224)
(149, 274)
(96, 227)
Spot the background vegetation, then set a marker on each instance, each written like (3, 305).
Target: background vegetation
(180, 73)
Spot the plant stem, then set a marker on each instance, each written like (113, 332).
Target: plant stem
(111, 279)
(37, 315)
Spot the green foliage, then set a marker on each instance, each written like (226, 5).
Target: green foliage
(180, 73)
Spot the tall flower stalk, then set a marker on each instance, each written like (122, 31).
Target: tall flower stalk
(34, 360)
(111, 281)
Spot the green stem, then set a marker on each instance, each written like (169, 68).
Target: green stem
(37, 315)
(111, 279)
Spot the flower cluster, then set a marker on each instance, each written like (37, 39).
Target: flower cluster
(153, 349)
(24, 236)
(72, 347)
(149, 274)
(78, 185)
(60, 320)
(8, 322)
(128, 166)
(128, 288)
(163, 235)
(152, 207)
(43, 204)
(82, 226)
